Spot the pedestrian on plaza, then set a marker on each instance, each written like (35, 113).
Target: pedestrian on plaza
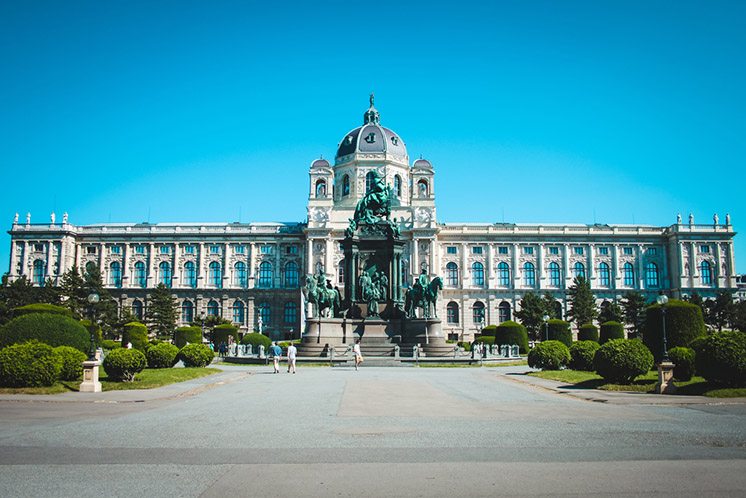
(275, 352)
(292, 351)
(358, 354)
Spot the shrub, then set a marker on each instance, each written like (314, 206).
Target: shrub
(109, 345)
(559, 330)
(122, 364)
(97, 333)
(512, 333)
(162, 355)
(581, 355)
(485, 339)
(196, 355)
(684, 323)
(42, 308)
(549, 355)
(489, 330)
(220, 333)
(621, 360)
(683, 359)
(30, 364)
(137, 334)
(255, 339)
(588, 332)
(610, 331)
(55, 330)
(71, 362)
(721, 358)
(187, 335)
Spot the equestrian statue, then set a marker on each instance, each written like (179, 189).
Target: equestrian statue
(422, 295)
(319, 292)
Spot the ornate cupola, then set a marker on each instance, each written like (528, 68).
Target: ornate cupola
(371, 115)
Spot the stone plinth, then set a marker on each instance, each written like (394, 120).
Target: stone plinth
(665, 378)
(90, 382)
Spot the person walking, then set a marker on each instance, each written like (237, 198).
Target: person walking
(275, 352)
(292, 351)
(358, 354)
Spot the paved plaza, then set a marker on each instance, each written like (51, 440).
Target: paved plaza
(374, 432)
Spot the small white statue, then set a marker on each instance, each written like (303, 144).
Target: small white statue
(259, 325)
(678, 219)
(15, 219)
(715, 218)
(64, 218)
(28, 218)
(727, 219)
(691, 219)
(52, 217)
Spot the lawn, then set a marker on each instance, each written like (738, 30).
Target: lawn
(147, 379)
(645, 384)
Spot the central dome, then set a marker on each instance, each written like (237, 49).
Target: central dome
(371, 137)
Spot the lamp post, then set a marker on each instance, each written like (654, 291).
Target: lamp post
(662, 300)
(202, 319)
(546, 326)
(93, 299)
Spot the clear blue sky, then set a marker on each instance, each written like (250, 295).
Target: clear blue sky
(614, 112)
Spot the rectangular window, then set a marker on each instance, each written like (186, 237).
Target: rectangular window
(451, 250)
(40, 248)
(188, 249)
(603, 251)
(627, 251)
(240, 249)
(116, 249)
(294, 249)
(139, 249)
(265, 249)
(165, 249)
(214, 249)
(528, 250)
(476, 250)
(704, 249)
(578, 250)
(652, 251)
(554, 250)
(502, 250)
(90, 250)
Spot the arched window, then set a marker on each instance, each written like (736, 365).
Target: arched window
(320, 188)
(290, 313)
(265, 314)
(579, 270)
(164, 270)
(422, 188)
(369, 179)
(629, 275)
(346, 185)
(503, 312)
(555, 275)
(238, 312)
(39, 272)
(405, 273)
(558, 310)
(452, 313)
(137, 309)
(240, 278)
(705, 271)
(604, 275)
(216, 275)
(452, 274)
(529, 275)
(341, 273)
(503, 274)
(397, 185)
(187, 312)
(477, 310)
(115, 274)
(477, 274)
(190, 274)
(651, 275)
(291, 274)
(213, 308)
(265, 274)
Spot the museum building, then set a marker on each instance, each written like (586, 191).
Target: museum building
(245, 272)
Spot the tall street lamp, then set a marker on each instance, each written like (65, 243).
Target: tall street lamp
(202, 318)
(662, 300)
(93, 299)
(546, 326)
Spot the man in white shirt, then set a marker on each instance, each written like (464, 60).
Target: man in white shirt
(358, 354)
(292, 352)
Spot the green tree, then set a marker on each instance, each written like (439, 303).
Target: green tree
(531, 313)
(582, 302)
(610, 312)
(75, 287)
(74, 291)
(162, 312)
(739, 316)
(14, 294)
(720, 312)
(550, 306)
(633, 306)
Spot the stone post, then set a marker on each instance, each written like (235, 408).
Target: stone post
(665, 383)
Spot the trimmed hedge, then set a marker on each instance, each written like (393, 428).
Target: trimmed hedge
(109, 345)
(559, 330)
(588, 332)
(220, 333)
(683, 359)
(620, 361)
(137, 334)
(485, 339)
(187, 335)
(31, 364)
(581, 355)
(255, 339)
(549, 355)
(489, 330)
(511, 333)
(162, 355)
(123, 364)
(71, 362)
(55, 330)
(684, 323)
(197, 355)
(611, 331)
(42, 308)
(721, 358)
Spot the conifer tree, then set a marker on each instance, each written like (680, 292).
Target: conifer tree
(161, 313)
(582, 302)
(610, 312)
(531, 313)
(633, 307)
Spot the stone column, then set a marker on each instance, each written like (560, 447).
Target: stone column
(490, 277)
(125, 265)
(566, 265)
(464, 267)
(540, 266)
(438, 255)
(615, 266)
(252, 264)
(201, 260)
(13, 257)
(639, 265)
(665, 280)
(328, 266)
(278, 272)
(591, 265)
(717, 270)
(415, 268)
(516, 270)
(104, 271)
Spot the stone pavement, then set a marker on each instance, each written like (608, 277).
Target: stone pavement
(372, 432)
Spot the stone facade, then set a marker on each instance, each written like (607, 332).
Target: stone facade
(242, 268)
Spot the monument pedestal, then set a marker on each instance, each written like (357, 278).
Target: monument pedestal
(665, 378)
(90, 382)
